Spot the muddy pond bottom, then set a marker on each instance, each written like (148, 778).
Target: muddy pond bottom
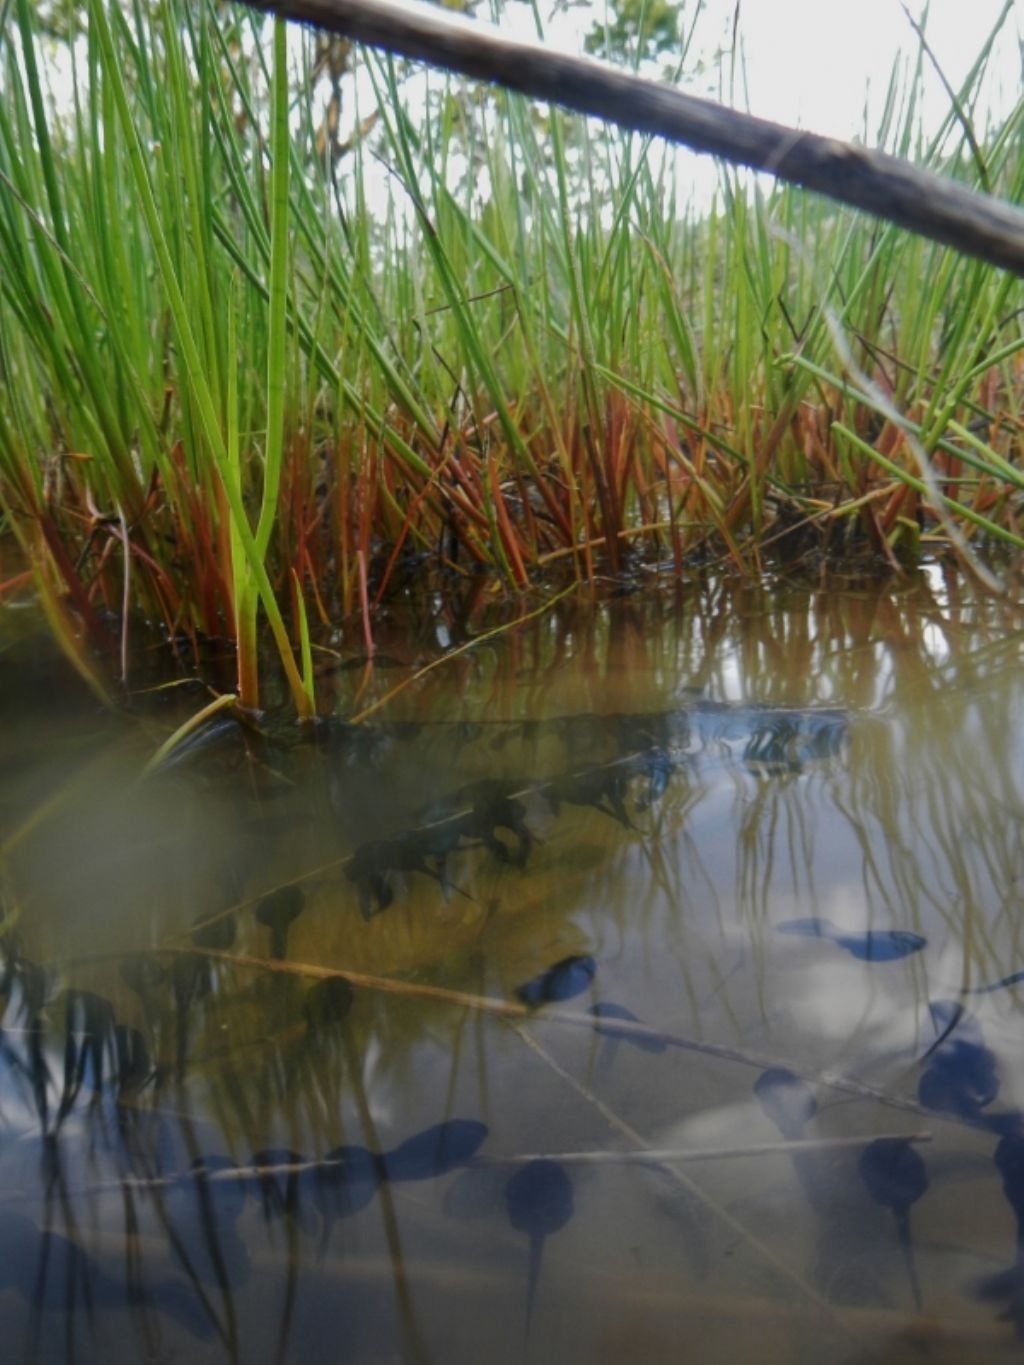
(645, 987)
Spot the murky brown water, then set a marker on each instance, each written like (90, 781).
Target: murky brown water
(780, 828)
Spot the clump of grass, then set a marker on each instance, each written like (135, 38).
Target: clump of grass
(230, 393)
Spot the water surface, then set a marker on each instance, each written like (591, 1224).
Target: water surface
(729, 877)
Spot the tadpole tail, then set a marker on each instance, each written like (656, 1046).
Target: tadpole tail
(956, 1014)
(903, 1229)
(536, 1252)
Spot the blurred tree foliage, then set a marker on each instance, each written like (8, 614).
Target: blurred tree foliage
(636, 31)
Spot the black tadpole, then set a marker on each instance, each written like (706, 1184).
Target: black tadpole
(875, 945)
(539, 1201)
(605, 1012)
(896, 1178)
(278, 912)
(565, 980)
(435, 1151)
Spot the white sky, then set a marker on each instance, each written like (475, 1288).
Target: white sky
(824, 65)
(816, 63)
(812, 61)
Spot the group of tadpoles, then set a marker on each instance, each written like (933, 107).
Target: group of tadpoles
(958, 1080)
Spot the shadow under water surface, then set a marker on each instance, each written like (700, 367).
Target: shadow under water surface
(644, 985)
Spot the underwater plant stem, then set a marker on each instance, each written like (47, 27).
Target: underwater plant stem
(691, 1188)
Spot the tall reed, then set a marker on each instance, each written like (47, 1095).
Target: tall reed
(230, 391)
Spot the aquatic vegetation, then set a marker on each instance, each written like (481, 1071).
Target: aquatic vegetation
(133, 1066)
(42, 1266)
(539, 1201)
(787, 1100)
(144, 974)
(564, 981)
(202, 1210)
(281, 1192)
(875, 945)
(219, 934)
(327, 1003)
(895, 1176)
(278, 912)
(178, 434)
(88, 1042)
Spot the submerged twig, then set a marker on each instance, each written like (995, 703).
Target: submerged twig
(691, 1188)
(513, 1010)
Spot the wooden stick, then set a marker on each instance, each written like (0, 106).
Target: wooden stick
(883, 185)
(656, 1156)
(511, 1010)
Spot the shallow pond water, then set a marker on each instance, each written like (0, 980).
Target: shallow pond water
(638, 985)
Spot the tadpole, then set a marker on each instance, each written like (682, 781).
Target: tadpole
(345, 1182)
(435, 1151)
(568, 978)
(895, 1177)
(604, 1011)
(279, 1188)
(539, 1202)
(278, 912)
(961, 1076)
(874, 945)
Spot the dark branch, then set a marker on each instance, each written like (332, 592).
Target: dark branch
(929, 204)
